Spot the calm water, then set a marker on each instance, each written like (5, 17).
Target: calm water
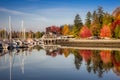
(59, 64)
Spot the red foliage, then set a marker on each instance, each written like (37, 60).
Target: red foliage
(115, 62)
(114, 24)
(86, 54)
(105, 56)
(53, 29)
(85, 32)
(105, 31)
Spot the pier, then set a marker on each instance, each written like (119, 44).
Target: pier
(49, 39)
(91, 43)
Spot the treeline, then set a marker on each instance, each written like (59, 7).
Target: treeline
(16, 34)
(96, 61)
(99, 23)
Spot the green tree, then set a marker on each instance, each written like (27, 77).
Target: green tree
(97, 21)
(107, 19)
(88, 19)
(77, 59)
(38, 34)
(117, 31)
(78, 22)
(3, 34)
(94, 26)
(94, 16)
(100, 16)
(77, 25)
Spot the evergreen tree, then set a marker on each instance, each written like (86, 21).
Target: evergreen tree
(78, 22)
(88, 19)
(95, 21)
(94, 17)
(77, 25)
(100, 16)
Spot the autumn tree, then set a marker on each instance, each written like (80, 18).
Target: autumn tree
(105, 31)
(65, 30)
(113, 26)
(105, 56)
(86, 54)
(66, 52)
(118, 17)
(85, 32)
(107, 19)
(53, 29)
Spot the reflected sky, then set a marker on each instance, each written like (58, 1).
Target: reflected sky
(60, 64)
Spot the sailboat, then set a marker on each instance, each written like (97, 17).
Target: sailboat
(22, 43)
(10, 47)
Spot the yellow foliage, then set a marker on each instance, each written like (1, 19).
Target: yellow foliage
(66, 52)
(118, 17)
(65, 30)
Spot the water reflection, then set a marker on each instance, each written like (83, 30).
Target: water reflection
(96, 61)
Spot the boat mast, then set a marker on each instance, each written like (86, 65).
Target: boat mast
(23, 30)
(5, 33)
(10, 59)
(24, 33)
(10, 28)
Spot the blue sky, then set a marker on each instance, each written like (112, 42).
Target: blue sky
(38, 14)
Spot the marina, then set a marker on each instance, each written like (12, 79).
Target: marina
(59, 40)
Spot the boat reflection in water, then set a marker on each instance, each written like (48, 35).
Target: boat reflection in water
(55, 62)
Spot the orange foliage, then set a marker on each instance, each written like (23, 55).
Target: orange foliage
(86, 54)
(66, 52)
(65, 30)
(118, 17)
(85, 32)
(105, 31)
(114, 24)
(116, 63)
(105, 56)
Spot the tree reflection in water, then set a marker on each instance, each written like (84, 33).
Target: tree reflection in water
(78, 59)
(97, 62)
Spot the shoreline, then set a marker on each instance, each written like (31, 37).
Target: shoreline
(90, 43)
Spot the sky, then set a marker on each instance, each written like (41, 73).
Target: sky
(39, 14)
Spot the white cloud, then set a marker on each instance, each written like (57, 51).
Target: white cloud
(11, 11)
(42, 18)
(20, 13)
